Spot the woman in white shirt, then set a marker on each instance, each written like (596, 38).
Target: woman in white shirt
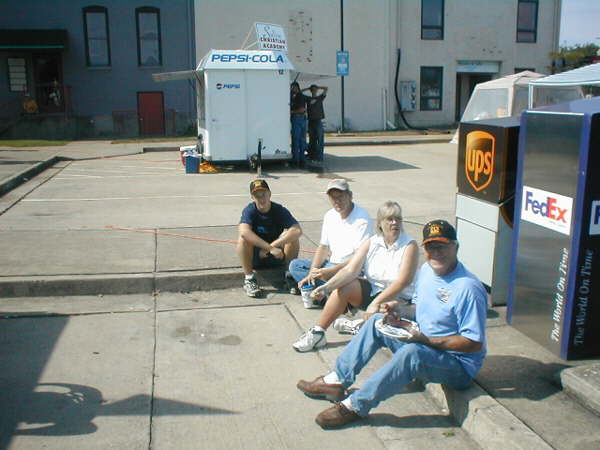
(389, 262)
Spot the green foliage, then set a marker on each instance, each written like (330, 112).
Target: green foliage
(31, 143)
(574, 56)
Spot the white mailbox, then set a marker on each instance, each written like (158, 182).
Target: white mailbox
(243, 98)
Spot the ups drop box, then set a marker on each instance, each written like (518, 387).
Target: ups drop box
(487, 159)
(555, 281)
(486, 175)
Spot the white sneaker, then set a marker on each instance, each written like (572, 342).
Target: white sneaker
(348, 326)
(251, 287)
(310, 340)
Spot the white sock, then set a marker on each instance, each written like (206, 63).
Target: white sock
(348, 404)
(318, 328)
(249, 276)
(332, 378)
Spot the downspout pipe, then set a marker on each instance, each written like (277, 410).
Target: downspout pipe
(408, 125)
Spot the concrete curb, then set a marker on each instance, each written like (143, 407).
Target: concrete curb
(432, 140)
(159, 149)
(64, 285)
(486, 421)
(583, 384)
(16, 180)
(135, 283)
(21, 177)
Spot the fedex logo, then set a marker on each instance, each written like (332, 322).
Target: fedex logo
(595, 218)
(547, 209)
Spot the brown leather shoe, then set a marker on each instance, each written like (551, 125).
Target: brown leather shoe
(336, 416)
(319, 389)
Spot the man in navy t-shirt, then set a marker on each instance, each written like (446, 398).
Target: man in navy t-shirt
(268, 235)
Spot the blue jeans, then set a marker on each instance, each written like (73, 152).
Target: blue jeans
(298, 137)
(299, 268)
(410, 361)
(315, 135)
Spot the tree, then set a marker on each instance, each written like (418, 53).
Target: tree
(572, 57)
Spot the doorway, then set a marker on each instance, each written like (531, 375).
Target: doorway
(151, 113)
(465, 84)
(48, 82)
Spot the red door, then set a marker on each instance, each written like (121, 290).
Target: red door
(151, 113)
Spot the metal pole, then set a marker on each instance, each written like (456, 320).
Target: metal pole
(342, 49)
(259, 162)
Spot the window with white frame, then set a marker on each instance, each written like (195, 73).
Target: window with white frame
(432, 19)
(147, 21)
(97, 42)
(527, 13)
(17, 75)
(431, 88)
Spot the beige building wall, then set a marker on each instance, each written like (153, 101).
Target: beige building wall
(474, 30)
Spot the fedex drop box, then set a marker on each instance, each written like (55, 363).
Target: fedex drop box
(554, 295)
(243, 99)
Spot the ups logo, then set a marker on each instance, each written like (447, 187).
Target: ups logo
(479, 159)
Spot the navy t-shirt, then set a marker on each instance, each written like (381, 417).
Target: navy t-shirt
(270, 224)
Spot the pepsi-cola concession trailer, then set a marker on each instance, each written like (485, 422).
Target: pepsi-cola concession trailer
(486, 174)
(243, 100)
(555, 283)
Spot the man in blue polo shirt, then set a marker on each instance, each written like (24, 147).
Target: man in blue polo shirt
(447, 346)
(269, 236)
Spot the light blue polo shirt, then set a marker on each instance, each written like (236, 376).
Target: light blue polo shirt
(455, 303)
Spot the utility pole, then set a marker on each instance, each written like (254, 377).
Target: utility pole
(342, 49)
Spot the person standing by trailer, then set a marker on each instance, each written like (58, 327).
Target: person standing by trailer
(316, 114)
(298, 119)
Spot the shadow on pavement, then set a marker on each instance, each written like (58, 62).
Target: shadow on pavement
(507, 376)
(363, 163)
(24, 352)
(31, 408)
(60, 409)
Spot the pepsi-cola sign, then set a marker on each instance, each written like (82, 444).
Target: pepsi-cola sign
(228, 86)
(547, 209)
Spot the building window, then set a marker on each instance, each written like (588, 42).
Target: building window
(148, 36)
(431, 88)
(97, 43)
(527, 21)
(17, 75)
(432, 19)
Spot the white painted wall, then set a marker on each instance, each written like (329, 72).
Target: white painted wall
(373, 31)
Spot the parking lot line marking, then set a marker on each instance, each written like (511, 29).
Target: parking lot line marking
(178, 235)
(158, 197)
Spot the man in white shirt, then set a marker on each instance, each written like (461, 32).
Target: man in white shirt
(345, 227)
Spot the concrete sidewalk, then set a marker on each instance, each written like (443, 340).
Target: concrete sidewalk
(160, 368)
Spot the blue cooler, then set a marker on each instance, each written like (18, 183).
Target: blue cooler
(192, 164)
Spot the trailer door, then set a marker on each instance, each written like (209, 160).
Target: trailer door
(226, 115)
